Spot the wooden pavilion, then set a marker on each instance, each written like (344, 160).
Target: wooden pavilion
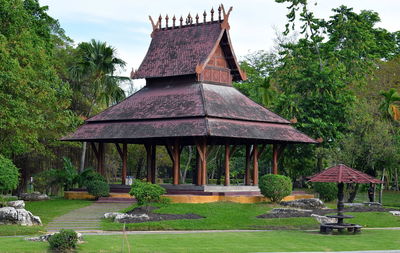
(189, 100)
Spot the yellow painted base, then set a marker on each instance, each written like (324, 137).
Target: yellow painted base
(236, 199)
(191, 198)
(85, 195)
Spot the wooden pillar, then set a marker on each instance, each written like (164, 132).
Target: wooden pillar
(227, 167)
(148, 161)
(153, 163)
(247, 168)
(101, 159)
(255, 165)
(198, 167)
(124, 162)
(202, 170)
(176, 162)
(275, 154)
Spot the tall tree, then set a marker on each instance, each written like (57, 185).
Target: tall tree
(93, 76)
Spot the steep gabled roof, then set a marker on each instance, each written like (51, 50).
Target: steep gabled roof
(186, 49)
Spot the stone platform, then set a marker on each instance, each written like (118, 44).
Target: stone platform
(186, 193)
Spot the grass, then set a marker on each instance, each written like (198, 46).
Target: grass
(270, 241)
(47, 210)
(389, 198)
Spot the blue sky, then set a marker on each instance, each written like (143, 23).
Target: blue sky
(125, 25)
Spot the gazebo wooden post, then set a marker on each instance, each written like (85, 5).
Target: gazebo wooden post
(202, 150)
(148, 161)
(275, 159)
(153, 163)
(255, 164)
(340, 203)
(101, 159)
(124, 156)
(247, 168)
(227, 160)
(176, 162)
(198, 167)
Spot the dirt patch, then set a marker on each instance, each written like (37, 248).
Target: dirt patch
(326, 211)
(158, 216)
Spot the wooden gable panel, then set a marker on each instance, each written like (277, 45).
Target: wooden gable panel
(217, 70)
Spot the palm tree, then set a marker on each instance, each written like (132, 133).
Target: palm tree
(389, 104)
(93, 77)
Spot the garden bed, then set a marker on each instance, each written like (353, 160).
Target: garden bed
(158, 216)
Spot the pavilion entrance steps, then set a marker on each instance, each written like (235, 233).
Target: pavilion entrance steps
(85, 219)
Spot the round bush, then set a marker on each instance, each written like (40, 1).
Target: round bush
(327, 191)
(65, 240)
(98, 188)
(146, 192)
(9, 175)
(275, 187)
(87, 176)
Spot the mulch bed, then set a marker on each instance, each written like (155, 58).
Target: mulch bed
(326, 211)
(159, 216)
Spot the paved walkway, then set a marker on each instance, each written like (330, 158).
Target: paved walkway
(85, 219)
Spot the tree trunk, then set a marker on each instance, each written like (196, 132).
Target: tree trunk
(382, 184)
(396, 179)
(83, 156)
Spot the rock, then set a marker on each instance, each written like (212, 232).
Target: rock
(292, 211)
(45, 238)
(395, 213)
(353, 204)
(323, 219)
(34, 196)
(111, 215)
(17, 204)
(10, 215)
(376, 204)
(124, 216)
(312, 203)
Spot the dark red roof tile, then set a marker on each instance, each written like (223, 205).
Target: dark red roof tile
(343, 174)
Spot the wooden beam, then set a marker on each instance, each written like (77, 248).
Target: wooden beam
(169, 151)
(197, 173)
(233, 149)
(95, 151)
(119, 150)
(227, 167)
(255, 165)
(124, 162)
(202, 172)
(247, 167)
(101, 160)
(261, 150)
(275, 148)
(148, 161)
(153, 163)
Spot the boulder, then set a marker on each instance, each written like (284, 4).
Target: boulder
(34, 196)
(17, 204)
(124, 217)
(374, 204)
(45, 238)
(111, 215)
(291, 211)
(312, 203)
(353, 204)
(323, 219)
(395, 213)
(11, 215)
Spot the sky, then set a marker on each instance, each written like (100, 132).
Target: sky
(125, 25)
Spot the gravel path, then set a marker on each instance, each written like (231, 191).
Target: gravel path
(85, 219)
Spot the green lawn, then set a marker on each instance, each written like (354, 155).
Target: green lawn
(272, 241)
(226, 215)
(389, 198)
(46, 210)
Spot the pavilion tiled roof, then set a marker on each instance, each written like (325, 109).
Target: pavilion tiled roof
(343, 174)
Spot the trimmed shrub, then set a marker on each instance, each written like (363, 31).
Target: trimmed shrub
(89, 175)
(98, 189)
(327, 191)
(275, 187)
(9, 175)
(63, 241)
(146, 193)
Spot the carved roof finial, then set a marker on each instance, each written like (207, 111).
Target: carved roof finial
(204, 17)
(225, 24)
(133, 72)
(197, 19)
(159, 21)
(212, 14)
(173, 21)
(181, 21)
(166, 21)
(155, 26)
(219, 13)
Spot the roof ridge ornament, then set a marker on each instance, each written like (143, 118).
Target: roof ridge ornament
(225, 23)
(155, 26)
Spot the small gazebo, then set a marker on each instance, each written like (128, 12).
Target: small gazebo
(342, 174)
(189, 100)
